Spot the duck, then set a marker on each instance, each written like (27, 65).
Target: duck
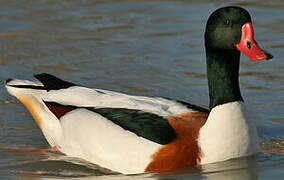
(136, 134)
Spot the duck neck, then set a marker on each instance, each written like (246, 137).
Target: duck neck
(223, 76)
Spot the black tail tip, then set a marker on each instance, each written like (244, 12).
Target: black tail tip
(8, 80)
(44, 75)
(51, 82)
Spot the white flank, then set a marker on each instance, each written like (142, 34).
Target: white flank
(98, 140)
(229, 132)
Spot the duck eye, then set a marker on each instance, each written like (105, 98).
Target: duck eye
(227, 22)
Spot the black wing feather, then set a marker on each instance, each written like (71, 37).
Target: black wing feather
(143, 124)
(194, 107)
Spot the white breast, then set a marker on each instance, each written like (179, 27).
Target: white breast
(228, 133)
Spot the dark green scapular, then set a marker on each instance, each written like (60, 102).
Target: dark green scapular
(147, 125)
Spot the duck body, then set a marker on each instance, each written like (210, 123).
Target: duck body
(135, 134)
(85, 126)
(103, 126)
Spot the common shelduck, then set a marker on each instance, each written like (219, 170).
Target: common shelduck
(135, 134)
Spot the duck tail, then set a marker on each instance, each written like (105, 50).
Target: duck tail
(30, 93)
(17, 86)
(46, 82)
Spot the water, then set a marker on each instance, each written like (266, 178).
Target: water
(137, 47)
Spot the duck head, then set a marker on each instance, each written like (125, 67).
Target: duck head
(228, 32)
(230, 28)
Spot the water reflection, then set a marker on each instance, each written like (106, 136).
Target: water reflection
(244, 169)
(47, 163)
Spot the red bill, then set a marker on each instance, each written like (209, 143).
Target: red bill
(249, 46)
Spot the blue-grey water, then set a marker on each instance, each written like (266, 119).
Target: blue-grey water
(141, 47)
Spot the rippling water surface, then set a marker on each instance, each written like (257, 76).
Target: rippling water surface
(150, 48)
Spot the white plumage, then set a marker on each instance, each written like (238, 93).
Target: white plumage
(86, 97)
